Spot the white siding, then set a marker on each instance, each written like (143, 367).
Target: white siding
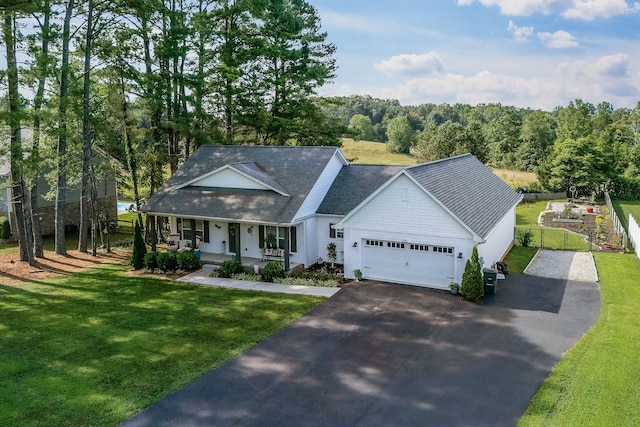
(499, 240)
(324, 238)
(403, 212)
(321, 187)
(311, 240)
(405, 209)
(227, 178)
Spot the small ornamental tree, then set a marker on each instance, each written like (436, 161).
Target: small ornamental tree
(5, 230)
(139, 248)
(472, 287)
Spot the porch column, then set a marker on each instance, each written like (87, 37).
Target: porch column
(286, 248)
(151, 231)
(193, 233)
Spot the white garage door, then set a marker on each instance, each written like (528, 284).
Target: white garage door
(411, 263)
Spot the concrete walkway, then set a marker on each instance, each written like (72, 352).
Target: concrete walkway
(577, 266)
(202, 278)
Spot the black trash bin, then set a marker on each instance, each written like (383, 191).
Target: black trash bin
(490, 280)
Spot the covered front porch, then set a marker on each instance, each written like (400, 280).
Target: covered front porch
(247, 262)
(251, 243)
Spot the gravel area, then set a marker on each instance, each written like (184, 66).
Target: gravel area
(576, 266)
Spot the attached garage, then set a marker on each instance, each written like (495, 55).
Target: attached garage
(408, 263)
(419, 228)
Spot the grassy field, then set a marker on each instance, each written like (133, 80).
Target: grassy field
(624, 208)
(373, 153)
(516, 179)
(597, 383)
(94, 348)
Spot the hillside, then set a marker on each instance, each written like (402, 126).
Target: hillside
(369, 152)
(373, 153)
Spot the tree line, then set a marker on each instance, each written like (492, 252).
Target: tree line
(580, 145)
(147, 82)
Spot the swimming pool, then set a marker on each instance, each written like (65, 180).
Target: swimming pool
(123, 206)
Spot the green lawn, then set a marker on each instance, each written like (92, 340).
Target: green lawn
(373, 153)
(519, 258)
(547, 237)
(624, 208)
(96, 347)
(597, 383)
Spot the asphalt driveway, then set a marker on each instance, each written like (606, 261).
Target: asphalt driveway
(390, 355)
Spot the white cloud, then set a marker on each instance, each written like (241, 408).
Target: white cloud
(606, 78)
(411, 64)
(522, 7)
(590, 9)
(574, 9)
(613, 65)
(520, 34)
(558, 40)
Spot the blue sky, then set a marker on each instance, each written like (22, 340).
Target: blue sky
(527, 53)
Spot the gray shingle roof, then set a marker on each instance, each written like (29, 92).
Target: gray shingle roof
(253, 170)
(294, 169)
(468, 189)
(353, 184)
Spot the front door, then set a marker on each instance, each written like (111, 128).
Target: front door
(234, 239)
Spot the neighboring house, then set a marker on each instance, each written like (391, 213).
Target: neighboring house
(106, 196)
(415, 225)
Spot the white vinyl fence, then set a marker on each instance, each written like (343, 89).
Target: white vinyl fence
(617, 224)
(634, 234)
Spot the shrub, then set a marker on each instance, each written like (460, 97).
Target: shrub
(167, 261)
(272, 270)
(5, 230)
(312, 275)
(524, 237)
(151, 261)
(299, 281)
(229, 268)
(251, 277)
(472, 287)
(139, 248)
(188, 261)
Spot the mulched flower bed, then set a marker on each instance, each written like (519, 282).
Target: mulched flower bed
(604, 233)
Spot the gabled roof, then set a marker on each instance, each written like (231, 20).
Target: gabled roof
(353, 184)
(468, 189)
(291, 170)
(259, 179)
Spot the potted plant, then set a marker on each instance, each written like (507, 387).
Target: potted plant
(270, 240)
(454, 288)
(357, 274)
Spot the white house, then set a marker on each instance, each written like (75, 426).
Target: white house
(415, 225)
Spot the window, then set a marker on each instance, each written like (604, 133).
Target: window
(202, 229)
(395, 245)
(335, 234)
(415, 247)
(279, 233)
(442, 250)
